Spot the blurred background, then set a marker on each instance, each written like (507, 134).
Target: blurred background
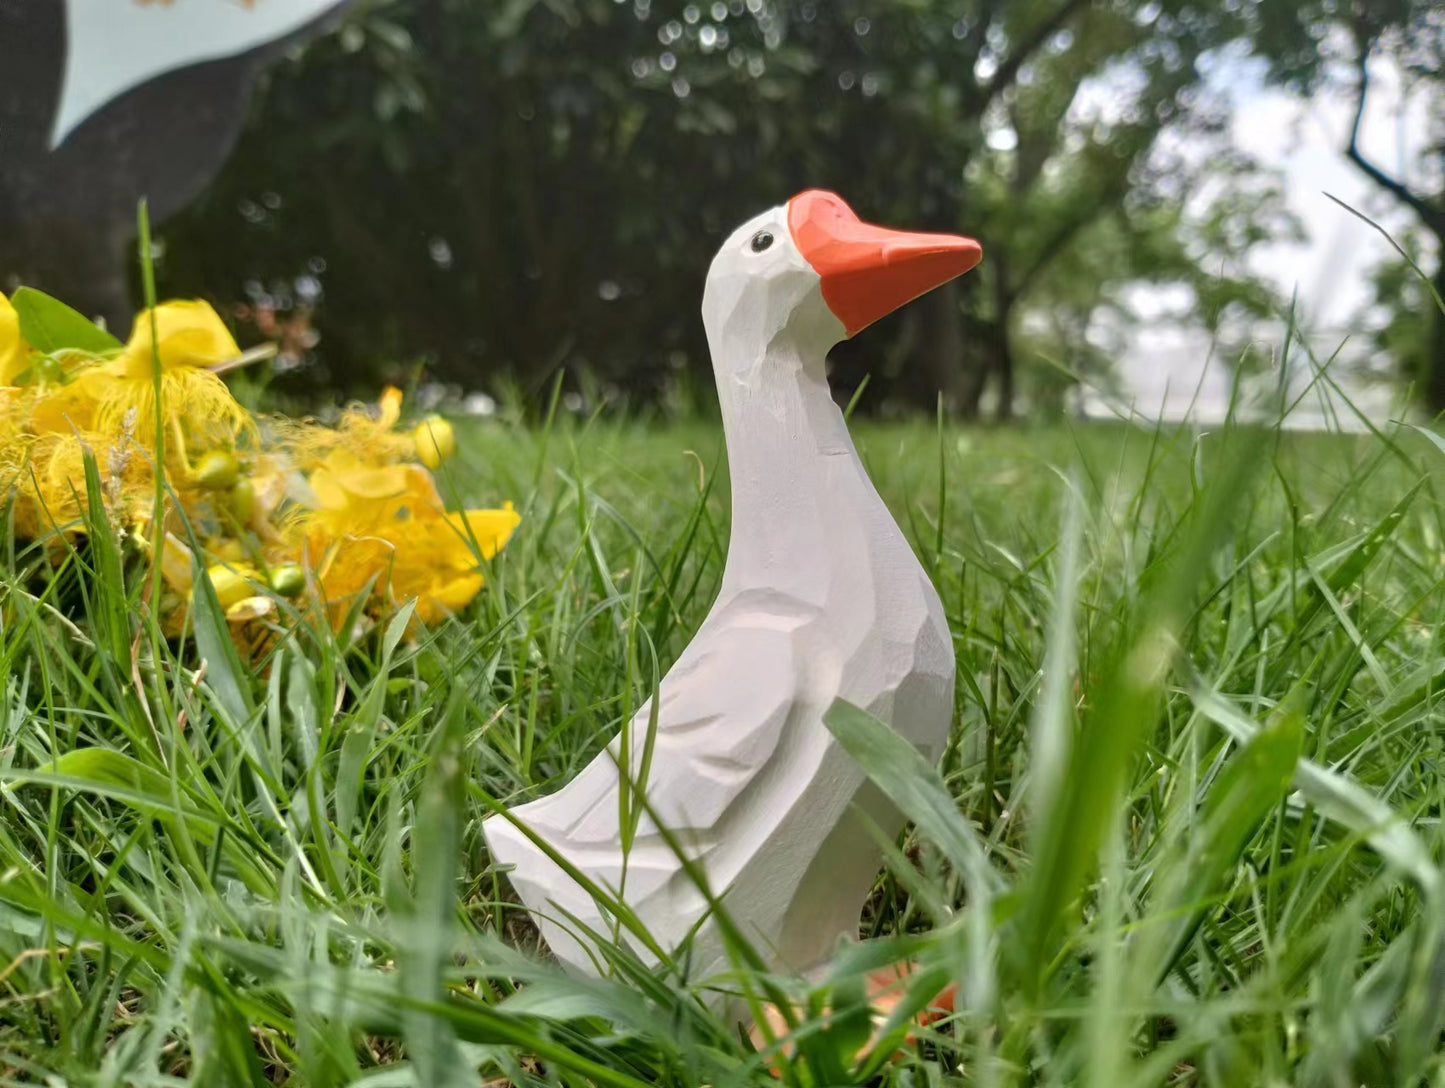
(482, 195)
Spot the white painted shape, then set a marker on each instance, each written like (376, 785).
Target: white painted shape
(115, 45)
(821, 598)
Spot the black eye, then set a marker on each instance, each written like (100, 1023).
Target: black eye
(761, 241)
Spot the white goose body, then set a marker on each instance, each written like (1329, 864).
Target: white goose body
(821, 598)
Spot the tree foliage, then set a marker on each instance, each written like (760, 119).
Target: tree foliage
(503, 189)
(1308, 44)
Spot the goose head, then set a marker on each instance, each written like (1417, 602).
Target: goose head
(809, 273)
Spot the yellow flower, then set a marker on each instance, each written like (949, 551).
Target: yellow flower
(14, 352)
(490, 529)
(188, 337)
(281, 508)
(382, 530)
(435, 441)
(355, 497)
(108, 407)
(437, 567)
(50, 486)
(364, 436)
(433, 562)
(12, 434)
(388, 407)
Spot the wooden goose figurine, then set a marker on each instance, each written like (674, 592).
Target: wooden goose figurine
(821, 597)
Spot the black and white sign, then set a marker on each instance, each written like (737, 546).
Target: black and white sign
(103, 102)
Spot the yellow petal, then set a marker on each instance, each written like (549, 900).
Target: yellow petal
(491, 528)
(444, 598)
(188, 334)
(343, 478)
(14, 352)
(232, 584)
(176, 564)
(330, 495)
(66, 409)
(389, 406)
(250, 608)
(192, 398)
(383, 482)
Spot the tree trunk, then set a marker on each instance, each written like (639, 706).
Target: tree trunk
(1003, 360)
(1435, 359)
(940, 358)
(1004, 366)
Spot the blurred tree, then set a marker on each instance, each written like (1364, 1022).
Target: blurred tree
(1398, 317)
(1083, 302)
(1111, 168)
(505, 188)
(1317, 41)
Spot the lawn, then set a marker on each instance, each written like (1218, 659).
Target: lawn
(1187, 829)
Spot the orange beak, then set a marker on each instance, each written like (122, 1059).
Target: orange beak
(869, 271)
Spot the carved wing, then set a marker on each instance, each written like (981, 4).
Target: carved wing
(724, 707)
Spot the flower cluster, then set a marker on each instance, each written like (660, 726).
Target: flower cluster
(348, 517)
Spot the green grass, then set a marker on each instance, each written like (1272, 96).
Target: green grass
(1187, 830)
